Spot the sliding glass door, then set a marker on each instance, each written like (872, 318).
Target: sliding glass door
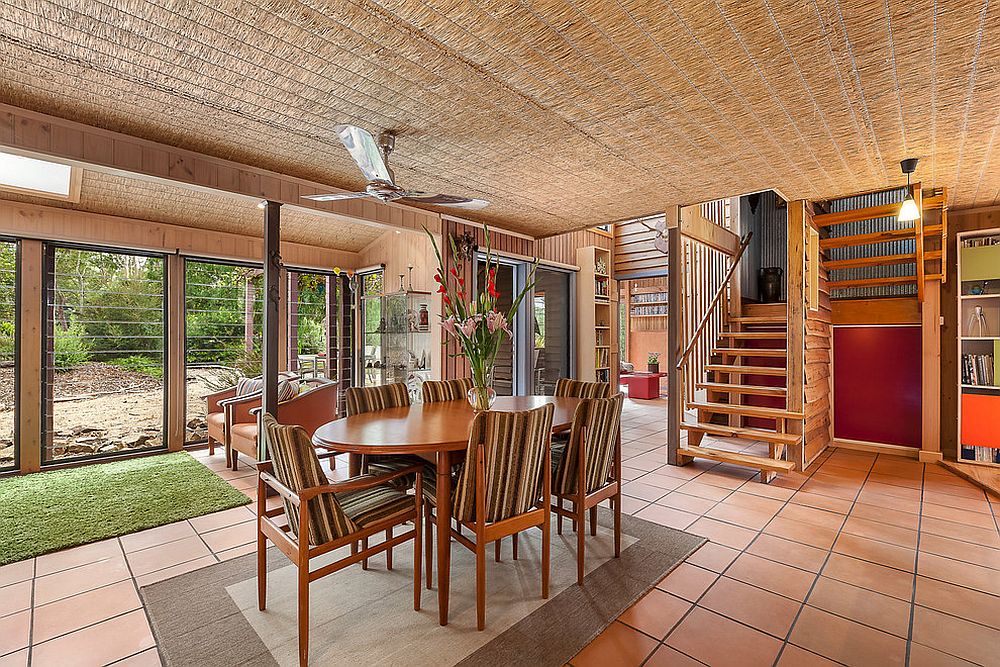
(103, 370)
(553, 333)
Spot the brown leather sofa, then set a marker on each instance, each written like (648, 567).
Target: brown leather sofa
(310, 410)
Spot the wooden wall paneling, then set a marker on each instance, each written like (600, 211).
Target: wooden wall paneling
(29, 356)
(176, 378)
(892, 310)
(930, 373)
(817, 425)
(58, 224)
(699, 228)
(796, 316)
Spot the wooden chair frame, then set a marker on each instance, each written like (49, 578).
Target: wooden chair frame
(485, 532)
(584, 502)
(279, 534)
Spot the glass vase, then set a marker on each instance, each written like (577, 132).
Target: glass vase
(482, 395)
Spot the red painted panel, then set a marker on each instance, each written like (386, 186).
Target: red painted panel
(876, 384)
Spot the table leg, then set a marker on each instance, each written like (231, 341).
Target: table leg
(354, 464)
(443, 533)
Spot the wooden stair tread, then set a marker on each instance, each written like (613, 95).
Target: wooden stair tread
(754, 335)
(747, 410)
(745, 433)
(748, 460)
(759, 319)
(755, 389)
(751, 352)
(746, 370)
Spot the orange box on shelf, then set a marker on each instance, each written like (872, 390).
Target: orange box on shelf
(980, 420)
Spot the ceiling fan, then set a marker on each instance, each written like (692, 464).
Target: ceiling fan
(660, 229)
(373, 159)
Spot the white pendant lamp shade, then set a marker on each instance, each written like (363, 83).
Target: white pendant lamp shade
(908, 212)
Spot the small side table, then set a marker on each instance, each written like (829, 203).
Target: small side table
(645, 386)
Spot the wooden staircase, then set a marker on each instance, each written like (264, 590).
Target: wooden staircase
(745, 394)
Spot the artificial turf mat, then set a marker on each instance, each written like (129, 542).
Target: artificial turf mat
(47, 511)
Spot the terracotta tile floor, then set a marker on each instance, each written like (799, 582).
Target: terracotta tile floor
(862, 560)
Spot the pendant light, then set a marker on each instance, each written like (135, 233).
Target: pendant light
(908, 212)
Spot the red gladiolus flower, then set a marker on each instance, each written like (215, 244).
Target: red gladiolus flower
(437, 277)
(447, 301)
(441, 289)
(461, 281)
(454, 272)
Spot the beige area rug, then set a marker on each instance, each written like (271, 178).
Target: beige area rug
(358, 617)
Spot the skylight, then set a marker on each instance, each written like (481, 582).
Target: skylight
(39, 176)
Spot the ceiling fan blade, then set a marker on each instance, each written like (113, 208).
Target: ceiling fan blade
(363, 148)
(454, 201)
(337, 196)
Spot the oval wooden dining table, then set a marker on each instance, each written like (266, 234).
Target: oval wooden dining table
(437, 432)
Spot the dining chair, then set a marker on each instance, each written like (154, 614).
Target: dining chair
(371, 399)
(503, 487)
(570, 388)
(323, 516)
(434, 391)
(587, 470)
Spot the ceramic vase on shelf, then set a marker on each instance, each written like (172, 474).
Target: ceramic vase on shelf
(977, 324)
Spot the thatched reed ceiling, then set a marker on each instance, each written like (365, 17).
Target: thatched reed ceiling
(162, 201)
(561, 113)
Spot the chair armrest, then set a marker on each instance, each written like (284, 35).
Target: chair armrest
(240, 411)
(281, 489)
(360, 482)
(215, 399)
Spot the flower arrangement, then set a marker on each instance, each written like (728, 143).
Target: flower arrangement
(474, 319)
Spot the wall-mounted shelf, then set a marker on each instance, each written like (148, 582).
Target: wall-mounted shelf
(595, 316)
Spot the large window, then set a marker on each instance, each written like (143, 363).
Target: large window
(372, 328)
(223, 325)
(104, 361)
(553, 329)
(8, 336)
(312, 320)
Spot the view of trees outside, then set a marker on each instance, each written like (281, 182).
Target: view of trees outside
(8, 267)
(309, 306)
(224, 330)
(105, 330)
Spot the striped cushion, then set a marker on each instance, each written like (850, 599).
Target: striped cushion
(448, 390)
(287, 388)
(601, 417)
(568, 388)
(367, 506)
(369, 399)
(297, 467)
(514, 445)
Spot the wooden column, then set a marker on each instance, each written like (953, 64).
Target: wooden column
(795, 319)
(272, 317)
(930, 372)
(29, 355)
(176, 378)
(675, 342)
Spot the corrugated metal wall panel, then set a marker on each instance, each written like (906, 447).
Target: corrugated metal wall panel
(769, 245)
(874, 250)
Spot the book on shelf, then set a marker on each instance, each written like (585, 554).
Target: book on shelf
(649, 310)
(646, 297)
(978, 370)
(980, 241)
(980, 454)
(602, 358)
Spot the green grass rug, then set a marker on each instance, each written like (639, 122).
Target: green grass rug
(47, 511)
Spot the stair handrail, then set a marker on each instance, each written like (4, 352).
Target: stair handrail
(715, 299)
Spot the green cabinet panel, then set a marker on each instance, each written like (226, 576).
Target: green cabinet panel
(980, 263)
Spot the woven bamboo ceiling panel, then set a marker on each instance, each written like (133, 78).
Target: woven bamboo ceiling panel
(562, 113)
(162, 201)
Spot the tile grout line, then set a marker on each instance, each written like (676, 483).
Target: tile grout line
(819, 572)
(916, 568)
(718, 575)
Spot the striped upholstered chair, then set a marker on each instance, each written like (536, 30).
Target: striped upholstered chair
(588, 470)
(446, 390)
(569, 388)
(503, 487)
(323, 516)
(371, 399)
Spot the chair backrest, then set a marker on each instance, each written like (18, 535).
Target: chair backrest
(447, 390)
(514, 446)
(369, 399)
(599, 419)
(567, 388)
(296, 465)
